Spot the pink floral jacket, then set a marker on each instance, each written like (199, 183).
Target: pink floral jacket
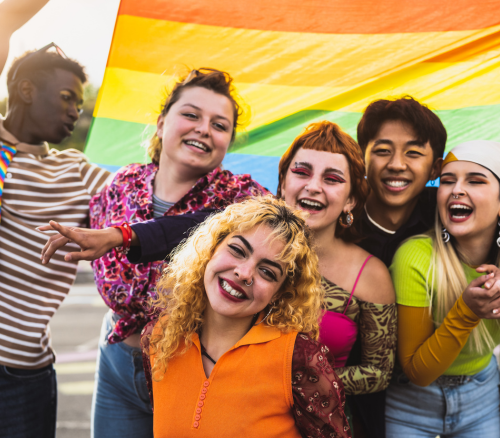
(125, 287)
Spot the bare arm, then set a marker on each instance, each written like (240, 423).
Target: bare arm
(93, 243)
(13, 15)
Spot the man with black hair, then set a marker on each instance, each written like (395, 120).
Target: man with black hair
(45, 99)
(403, 142)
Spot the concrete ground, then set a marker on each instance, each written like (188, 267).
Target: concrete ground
(75, 332)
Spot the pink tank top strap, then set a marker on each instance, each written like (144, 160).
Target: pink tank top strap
(356, 282)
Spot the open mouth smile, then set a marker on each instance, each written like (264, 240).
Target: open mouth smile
(396, 185)
(459, 212)
(310, 205)
(198, 145)
(229, 288)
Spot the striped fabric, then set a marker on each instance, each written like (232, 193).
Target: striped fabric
(7, 151)
(40, 185)
(295, 62)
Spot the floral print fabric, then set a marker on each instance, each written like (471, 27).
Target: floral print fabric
(126, 288)
(318, 393)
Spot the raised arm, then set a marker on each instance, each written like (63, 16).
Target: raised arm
(13, 15)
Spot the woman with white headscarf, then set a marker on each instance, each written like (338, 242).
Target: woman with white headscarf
(448, 293)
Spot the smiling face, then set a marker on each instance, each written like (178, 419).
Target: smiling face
(249, 257)
(398, 166)
(54, 109)
(196, 132)
(318, 182)
(468, 200)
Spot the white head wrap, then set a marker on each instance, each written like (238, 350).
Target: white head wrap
(486, 153)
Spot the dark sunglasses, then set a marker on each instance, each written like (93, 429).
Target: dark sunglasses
(43, 49)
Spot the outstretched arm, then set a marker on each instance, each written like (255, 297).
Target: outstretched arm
(13, 15)
(151, 240)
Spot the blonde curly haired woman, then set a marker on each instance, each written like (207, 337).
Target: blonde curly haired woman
(235, 347)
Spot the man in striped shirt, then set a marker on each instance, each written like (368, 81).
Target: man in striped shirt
(45, 98)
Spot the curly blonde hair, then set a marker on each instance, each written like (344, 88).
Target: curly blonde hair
(182, 300)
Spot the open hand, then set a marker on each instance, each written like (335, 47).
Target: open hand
(93, 243)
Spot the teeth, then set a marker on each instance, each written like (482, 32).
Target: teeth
(393, 183)
(197, 144)
(230, 290)
(465, 210)
(311, 203)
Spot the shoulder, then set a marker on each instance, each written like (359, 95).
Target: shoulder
(416, 251)
(69, 154)
(242, 181)
(375, 284)
(306, 347)
(132, 173)
(136, 170)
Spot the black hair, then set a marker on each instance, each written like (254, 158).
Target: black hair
(427, 125)
(38, 67)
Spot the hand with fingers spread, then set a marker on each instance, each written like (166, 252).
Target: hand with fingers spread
(482, 295)
(93, 243)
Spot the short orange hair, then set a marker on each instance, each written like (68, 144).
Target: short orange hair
(328, 137)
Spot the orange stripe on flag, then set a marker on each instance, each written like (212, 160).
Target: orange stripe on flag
(318, 16)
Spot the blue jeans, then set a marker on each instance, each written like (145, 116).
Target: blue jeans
(462, 411)
(28, 402)
(120, 406)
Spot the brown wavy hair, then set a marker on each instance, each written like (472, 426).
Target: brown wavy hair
(182, 299)
(214, 80)
(328, 137)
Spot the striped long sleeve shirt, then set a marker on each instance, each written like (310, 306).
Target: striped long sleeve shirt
(40, 185)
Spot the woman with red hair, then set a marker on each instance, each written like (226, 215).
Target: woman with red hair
(322, 173)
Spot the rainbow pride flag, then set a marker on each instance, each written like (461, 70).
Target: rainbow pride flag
(295, 62)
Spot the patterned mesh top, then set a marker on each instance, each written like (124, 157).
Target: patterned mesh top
(377, 330)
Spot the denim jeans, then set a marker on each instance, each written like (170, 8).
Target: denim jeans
(28, 402)
(462, 411)
(120, 406)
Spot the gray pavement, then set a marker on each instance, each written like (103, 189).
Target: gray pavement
(75, 332)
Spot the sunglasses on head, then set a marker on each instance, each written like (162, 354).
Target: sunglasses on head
(42, 50)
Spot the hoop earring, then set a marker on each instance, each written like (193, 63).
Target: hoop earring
(349, 219)
(268, 313)
(446, 236)
(498, 240)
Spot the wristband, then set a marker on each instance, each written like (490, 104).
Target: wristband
(126, 235)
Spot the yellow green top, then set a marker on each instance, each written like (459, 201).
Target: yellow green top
(409, 270)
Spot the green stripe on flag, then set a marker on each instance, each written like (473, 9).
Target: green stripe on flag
(118, 143)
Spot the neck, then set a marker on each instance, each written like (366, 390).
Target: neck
(16, 124)
(220, 333)
(475, 250)
(391, 218)
(326, 243)
(172, 182)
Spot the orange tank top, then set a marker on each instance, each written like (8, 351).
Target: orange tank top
(248, 393)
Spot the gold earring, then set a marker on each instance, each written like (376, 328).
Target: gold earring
(349, 219)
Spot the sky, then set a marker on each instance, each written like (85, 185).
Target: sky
(82, 28)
